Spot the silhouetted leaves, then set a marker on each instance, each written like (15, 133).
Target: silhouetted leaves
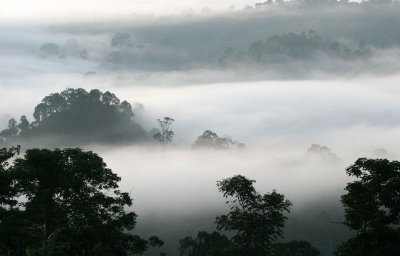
(256, 219)
(72, 206)
(165, 135)
(211, 140)
(372, 207)
(76, 117)
(205, 244)
(294, 248)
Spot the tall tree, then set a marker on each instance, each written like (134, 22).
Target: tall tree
(12, 129)
(256, 219)
(73, 205)
(23, 125)
(372, 208)
(165, 135)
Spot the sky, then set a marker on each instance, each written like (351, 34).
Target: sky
(52, 9)
(57, 10)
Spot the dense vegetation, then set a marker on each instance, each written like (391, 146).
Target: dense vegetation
(76, 116)
(71, 206)
(210, 140)
(67, 202)
(372, 208)
(291, 46)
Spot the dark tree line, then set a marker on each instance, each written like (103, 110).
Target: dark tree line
(71, 206)
(79, 115)
(255, 222)
(67, 202)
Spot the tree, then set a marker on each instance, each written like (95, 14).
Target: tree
(77, 117)
(165, 135)
(49, 49)
(205, 244)
(6, 194)
(372, 208)
(121, 40)
(23, 125)
(294, 248)
(72, 206)
(210, 139)
(322, 151)
(12, 129)
(257, 220)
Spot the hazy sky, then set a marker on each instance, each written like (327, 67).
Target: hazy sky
(52, 9)
(57, 10)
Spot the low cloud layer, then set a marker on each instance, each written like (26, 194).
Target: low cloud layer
(191, 42)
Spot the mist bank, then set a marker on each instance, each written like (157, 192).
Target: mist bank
(312, 181)
(147, 46)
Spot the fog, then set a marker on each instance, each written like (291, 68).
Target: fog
(278, 110)
(277, 120)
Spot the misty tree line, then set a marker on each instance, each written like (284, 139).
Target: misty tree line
(291, 46)
(96, 117)
(129, 48)
(341, 2)
(275, 49)
(67, 202)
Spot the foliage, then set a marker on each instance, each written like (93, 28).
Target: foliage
(372, 207)
(121, 40)
(72, 206)
(292, 248)
(11, 131)
(154, 241)
(78, 115)
(322, 151)
(6, 193)
(385, 242)
(257, 220)
(289, 46)
(49, 49)
(205, 244)
(165, 135)
(209, 139)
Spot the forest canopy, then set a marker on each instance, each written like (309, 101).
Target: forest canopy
(76, 115)
(72, 206)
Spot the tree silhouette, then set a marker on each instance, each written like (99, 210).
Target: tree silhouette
(294, 248)
(73, 206)
(205, 244)
(23, 125)
(210, 139)
(372, 208)
(77, 117)
(256, 219)
(165, 135)
(11, 131)
(121, 40)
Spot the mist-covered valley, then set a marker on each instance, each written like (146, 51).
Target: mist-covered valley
(291, 94)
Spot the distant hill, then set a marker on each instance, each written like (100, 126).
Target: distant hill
(77, 117)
